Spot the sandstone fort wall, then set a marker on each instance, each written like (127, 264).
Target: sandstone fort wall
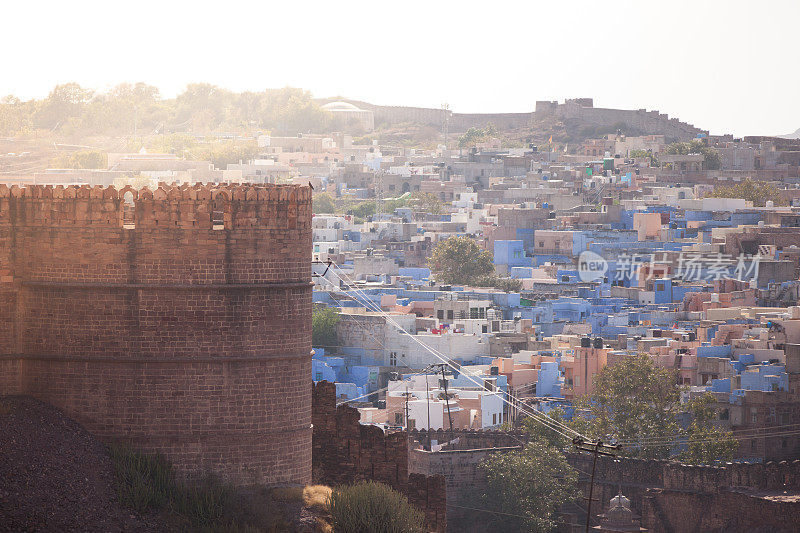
(578, 110)
(178, 319)
(346, 451)
(668, 495)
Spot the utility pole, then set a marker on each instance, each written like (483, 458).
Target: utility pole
(407, 428)
(596, 448)
(428, 397)
(443, 384)
(447, 401)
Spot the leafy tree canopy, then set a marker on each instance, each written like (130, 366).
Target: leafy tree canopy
(502, 284)
(139, 108)
(637, 403)
(476, 135)
(363, 209)
(528, 486)
(758, 192)
(696, 146)
(459, 261)
(323, 203)
(224, 153)
(422, 201)
(323, 324)
(82, 159)
(645, 153)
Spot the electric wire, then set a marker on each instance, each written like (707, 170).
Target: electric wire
(541, 417)
(547, 421)
(544, 419)
(655, 442)
(743, 433)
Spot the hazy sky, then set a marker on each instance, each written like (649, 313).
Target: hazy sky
(727, 66)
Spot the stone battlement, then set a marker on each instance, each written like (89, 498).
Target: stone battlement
(345, 451)
(177, 319)
(201, 206)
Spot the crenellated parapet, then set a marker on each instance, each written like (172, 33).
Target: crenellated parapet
(200, 206)
(176, 319)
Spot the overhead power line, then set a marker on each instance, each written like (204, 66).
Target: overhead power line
(541, 418)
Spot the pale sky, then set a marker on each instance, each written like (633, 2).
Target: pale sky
(726, 66)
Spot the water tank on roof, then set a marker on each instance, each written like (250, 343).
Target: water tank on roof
(586, 342)
(598, 342)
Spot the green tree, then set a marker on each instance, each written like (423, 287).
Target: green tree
(696, 146)
(502, 284)
(323, 203)
(459, 260)
(528, 487)
(15, 115)
(363, 209)
(390, 205)
(203, 106)
(221, 154)
(82, 159)
(427, 202)
(638, 403)
(421, 201)
(323, 325)
(706, 442)
(645, 153)
(538, 431)
(291, 110)
(475, 135)
(65, 102)
(758, 192)
(73, 111)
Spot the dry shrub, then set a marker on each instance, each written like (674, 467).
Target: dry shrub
(316, 496)
(375, 508)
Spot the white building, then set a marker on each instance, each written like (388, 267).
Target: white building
(427, 406)
(405, 351)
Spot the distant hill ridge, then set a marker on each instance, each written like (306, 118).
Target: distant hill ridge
(575, 113)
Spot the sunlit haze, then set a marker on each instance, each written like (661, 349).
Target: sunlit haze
(725, 66)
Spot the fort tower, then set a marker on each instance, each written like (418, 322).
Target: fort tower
(178, 320)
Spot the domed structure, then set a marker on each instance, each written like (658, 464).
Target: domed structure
(340, 106)
(620, 500)
(619, 517)
(350, 115)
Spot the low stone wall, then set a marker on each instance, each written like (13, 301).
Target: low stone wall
(669, 496)
(345, 451)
